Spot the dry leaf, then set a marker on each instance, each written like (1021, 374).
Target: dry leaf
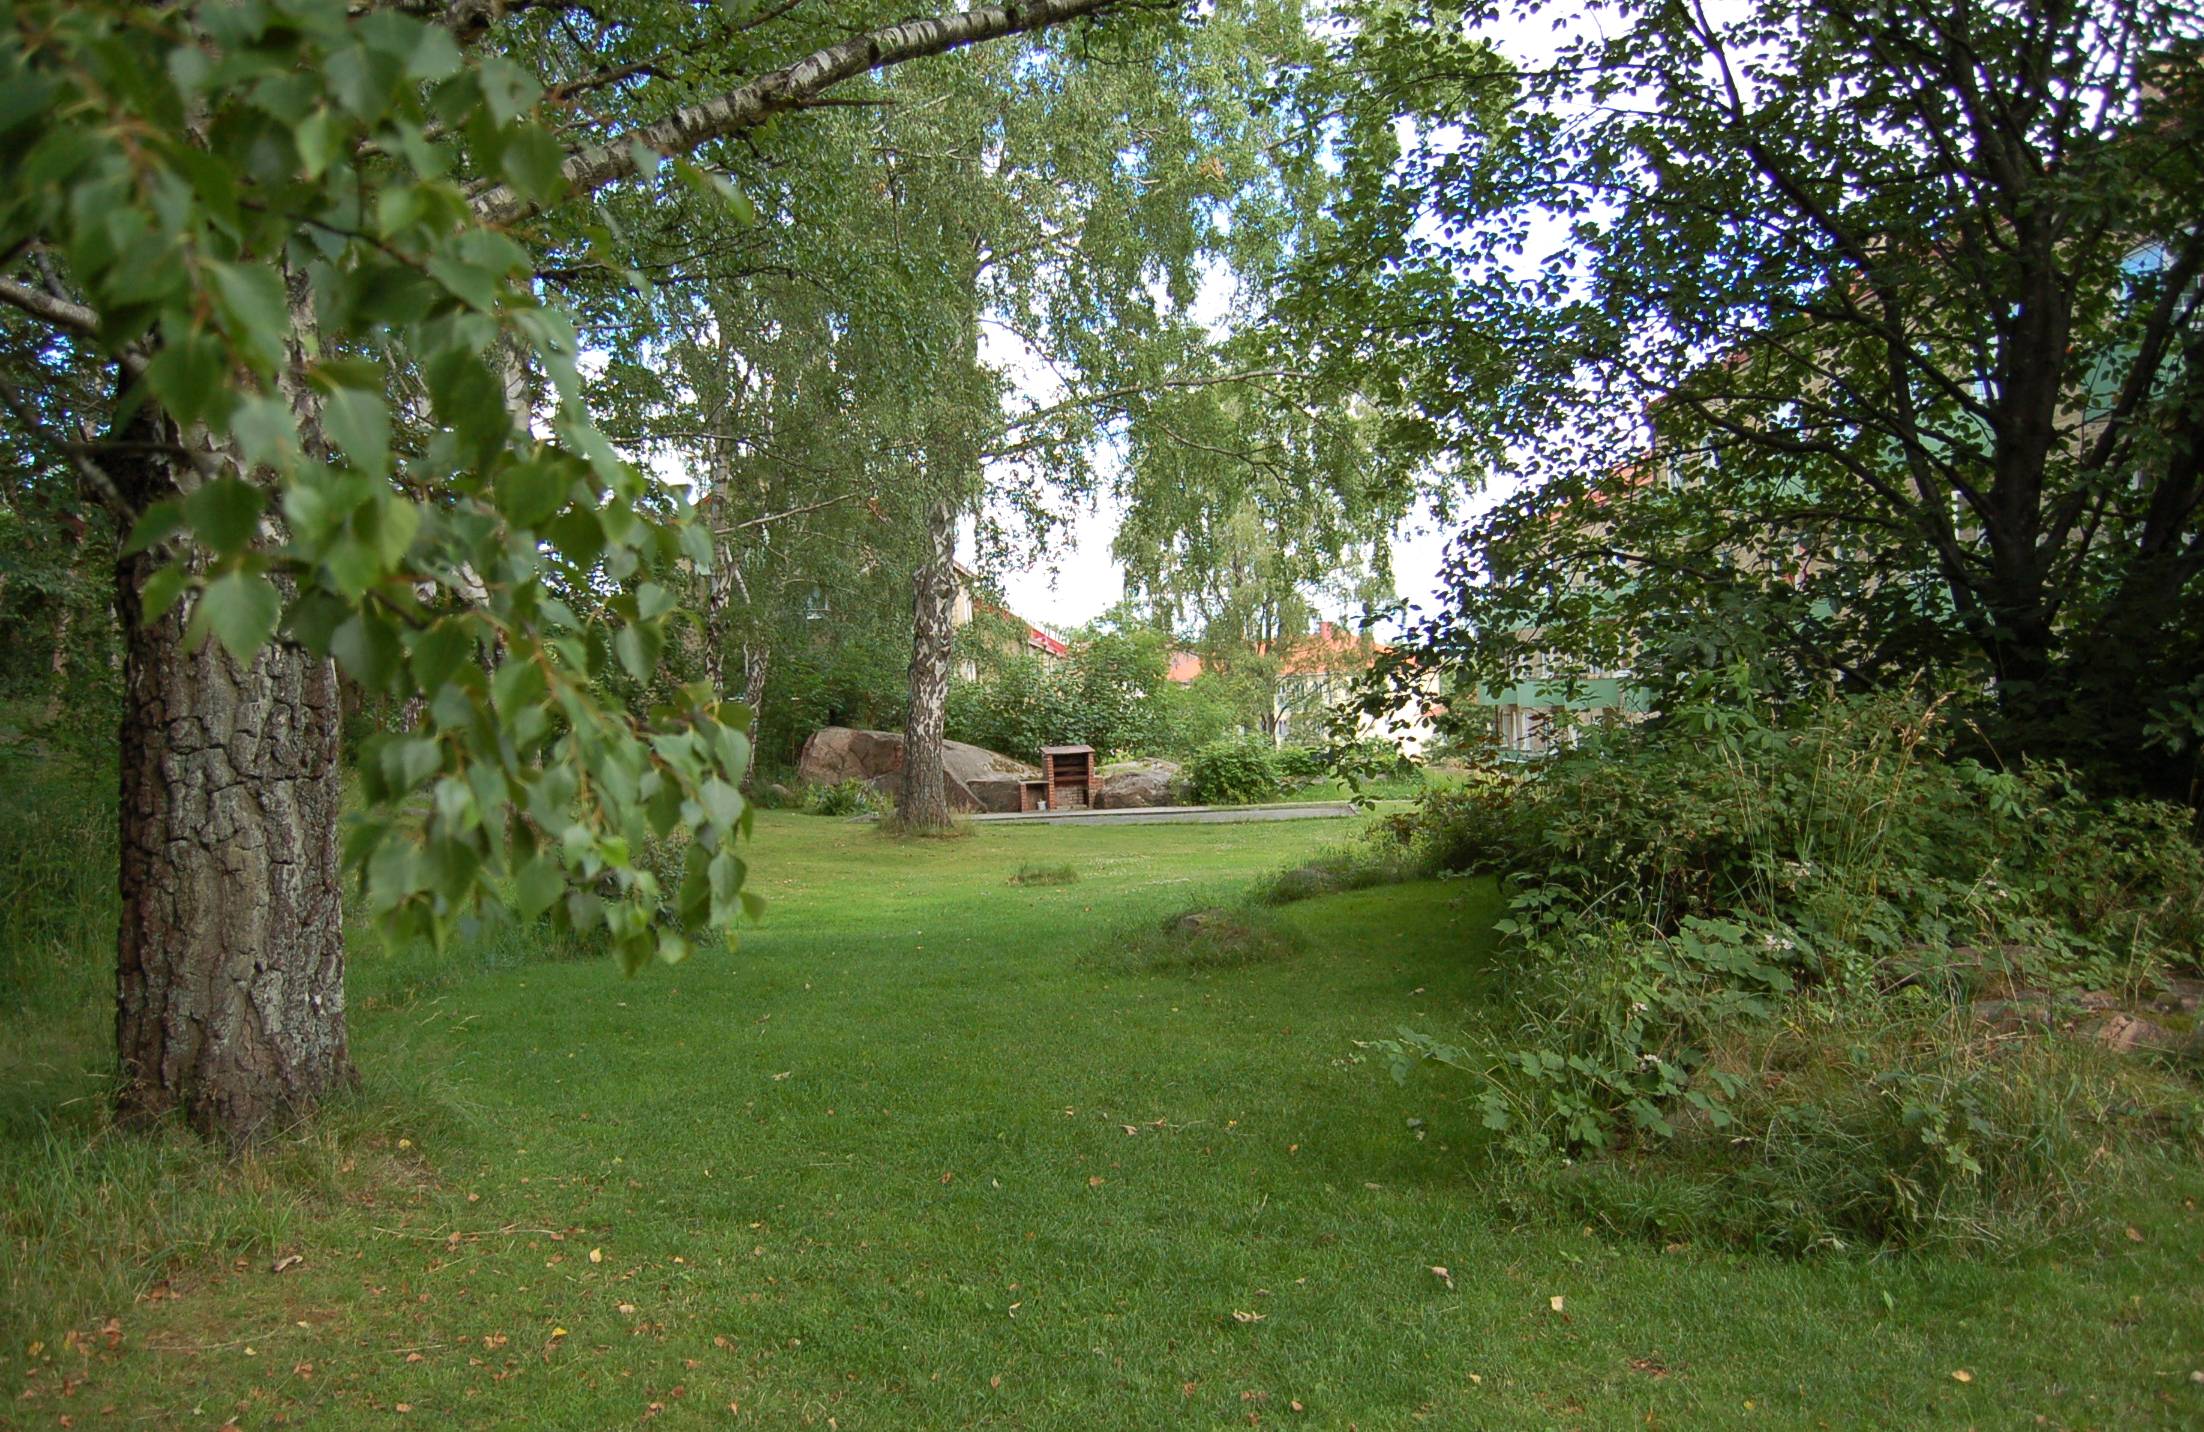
(415, 1357)
(2134, 1235)
(996, 1380)
(1442, 1275)
(1554, 1302)
(627, 1310)
(1094, 1180)
(596, 1255)
(1240, 1317)
(1962, 1375)
(1295, 1404)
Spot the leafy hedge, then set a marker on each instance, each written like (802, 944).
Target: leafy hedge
(1240, 772)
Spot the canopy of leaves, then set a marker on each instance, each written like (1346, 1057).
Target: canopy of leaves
(1853, 343)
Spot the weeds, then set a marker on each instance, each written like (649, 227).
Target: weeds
(1200, 941)
(1830, 891)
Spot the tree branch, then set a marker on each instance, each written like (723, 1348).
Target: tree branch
(791, 87)
(49, 308)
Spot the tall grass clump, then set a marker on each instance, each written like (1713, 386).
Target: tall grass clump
(58, 901)
(1746, 949)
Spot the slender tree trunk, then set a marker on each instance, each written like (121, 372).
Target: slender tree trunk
(229, 1001)
(922, 803)
(719, 597)
(58, 667)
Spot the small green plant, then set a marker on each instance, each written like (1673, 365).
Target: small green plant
(1240, 772)
(846, 798)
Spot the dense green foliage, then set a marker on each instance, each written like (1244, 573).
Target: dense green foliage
(1112, 692)
(1235, 772)
(1739, 933)
(1854, 343)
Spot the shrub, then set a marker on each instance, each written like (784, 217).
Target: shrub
(850, 797)
(1831, 889)
(1233, 773)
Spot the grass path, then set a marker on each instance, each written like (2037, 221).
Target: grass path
(934, 1150)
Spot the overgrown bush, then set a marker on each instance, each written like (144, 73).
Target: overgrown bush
(1233, 773)
(1823, 882)
(850, 797)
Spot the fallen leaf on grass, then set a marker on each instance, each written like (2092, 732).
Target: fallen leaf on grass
(596, 1255)
(1240, 1317)
(1554, 1302)
(1962, 1375)
(2134, 1235)
(1442, 1275)
(288, 1260)
(1095, 1181)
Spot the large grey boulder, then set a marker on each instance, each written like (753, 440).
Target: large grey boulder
(976, 778)
(835, 754)
(1127, 785)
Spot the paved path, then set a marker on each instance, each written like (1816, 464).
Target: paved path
(1162, 815)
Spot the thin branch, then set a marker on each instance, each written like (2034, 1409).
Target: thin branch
(49, 308)
(772, 517)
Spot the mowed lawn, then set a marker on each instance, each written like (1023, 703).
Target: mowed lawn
(937, 1149)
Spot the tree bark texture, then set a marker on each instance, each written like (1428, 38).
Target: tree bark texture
(229, 997)
(229, 1001)
(922, 803)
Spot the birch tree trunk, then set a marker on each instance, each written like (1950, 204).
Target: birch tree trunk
(58, 667)
(229, 998)
(229, 992)
(922, 802)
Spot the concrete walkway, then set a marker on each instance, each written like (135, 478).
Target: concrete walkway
(1163, 815)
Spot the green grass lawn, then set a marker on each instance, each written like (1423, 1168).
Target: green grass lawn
(935, 1148)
